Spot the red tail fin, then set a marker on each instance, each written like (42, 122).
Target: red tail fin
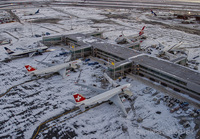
(142, 31)
(29, 68)
(78, 98)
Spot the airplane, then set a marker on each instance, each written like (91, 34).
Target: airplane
(152, 12)
(170, 52)
(60, 68)
(112, 95)
(169, 48)
(30, 52)
(131, 39)
(37, 11)
(32, 13)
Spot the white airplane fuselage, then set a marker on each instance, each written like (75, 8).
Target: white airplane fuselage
(55, 68)
(104, 96)
(25, 52)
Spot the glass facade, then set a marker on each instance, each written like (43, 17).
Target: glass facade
(164, 75)
(71, 40)
(108, 54)
(171, 80)
(52, 39)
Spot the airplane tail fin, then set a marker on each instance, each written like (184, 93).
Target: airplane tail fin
(78, 98)
(142, 31)
(152, 12)
(8, 50)
(37, 11)
(29, 68)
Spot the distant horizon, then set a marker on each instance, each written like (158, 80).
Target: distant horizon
(191, 1)
(198, 1)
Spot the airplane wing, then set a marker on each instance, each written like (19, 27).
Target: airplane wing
(68, 58)
(72, 100)
(31, 54)
(116, 100)
(98, 90)
(114, 84)
(62, 72)
(128, 40)
(176, 45)
(45, 63)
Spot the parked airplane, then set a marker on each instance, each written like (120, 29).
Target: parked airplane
(131, 39)
(37, 11)
(169, 48)
(170, 52)
(29, 52)
(60, 68)
(112, 95)
(152, 12)
(31, 13)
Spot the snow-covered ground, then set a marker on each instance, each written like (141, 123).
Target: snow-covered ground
(26, 106)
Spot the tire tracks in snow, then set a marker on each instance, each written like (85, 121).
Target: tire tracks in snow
(39, 128)
(8, 90)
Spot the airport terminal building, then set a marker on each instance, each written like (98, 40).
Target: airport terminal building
(125, 60)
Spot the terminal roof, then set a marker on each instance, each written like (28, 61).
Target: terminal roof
(116, 50)
(169, 68)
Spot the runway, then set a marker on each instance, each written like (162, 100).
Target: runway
(182, 6)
